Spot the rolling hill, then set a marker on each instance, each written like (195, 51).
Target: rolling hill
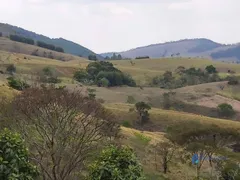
(68, 46)
(187, 48)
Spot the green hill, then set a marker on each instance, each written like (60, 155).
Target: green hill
(68, 46)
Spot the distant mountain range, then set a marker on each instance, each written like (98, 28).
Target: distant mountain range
(186, 48)
(68, 46)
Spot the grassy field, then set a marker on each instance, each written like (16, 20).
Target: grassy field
(116, 100)
(17, 47)
(145, 69)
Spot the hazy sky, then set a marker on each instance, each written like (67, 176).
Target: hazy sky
(116, 25)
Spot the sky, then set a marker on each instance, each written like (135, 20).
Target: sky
(118, 25)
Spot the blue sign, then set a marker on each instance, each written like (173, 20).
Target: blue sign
(195, 159)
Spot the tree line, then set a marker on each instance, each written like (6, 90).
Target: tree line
(38, 43)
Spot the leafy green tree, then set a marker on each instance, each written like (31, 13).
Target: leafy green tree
(11, 69)
(116, 163)
(225, 110)
(142, 108)
(211, 69)
(14, 160)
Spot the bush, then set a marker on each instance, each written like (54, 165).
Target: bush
(103, 82)
(49, 76)
(232, 80)
(11, 69)
(116, 163)
(225, 110)
(14, 160)
(126, 123)
(142, 138)
(211, 69)
(131, 100)
(17, 84)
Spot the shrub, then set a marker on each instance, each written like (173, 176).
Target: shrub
(142, 138)
(225, 110)
(142, 108)
(49, 76)
(17, 84)
(126, 123)
(14, 160)
(131, 100)
(116, 163)
(11, 68)
(103, 82)
(232, 80)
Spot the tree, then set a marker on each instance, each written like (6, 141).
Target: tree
(211, 69)
(202, 140)
(81, 76)
(116, 163)
(14, 158)
(166, 152)
(225, 110)
(63, 129)
(11, 69)
(142, 108)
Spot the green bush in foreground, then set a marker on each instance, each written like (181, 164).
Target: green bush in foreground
(17, 84)
(116, 163)
(225, 110)
(14, 162)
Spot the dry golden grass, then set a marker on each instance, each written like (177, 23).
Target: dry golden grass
(163, 118)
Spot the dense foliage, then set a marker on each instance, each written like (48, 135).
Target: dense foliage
(92, 57)
(185, 77)
(21, 39)
(103, 74)
(49, 46)
(14, 158)
(116, 163)
(17, 84)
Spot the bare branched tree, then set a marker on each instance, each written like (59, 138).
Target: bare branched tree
(164, 152)
(63, 129)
